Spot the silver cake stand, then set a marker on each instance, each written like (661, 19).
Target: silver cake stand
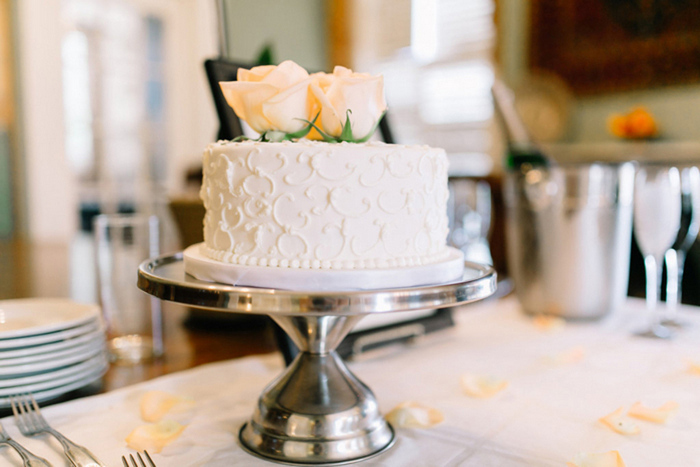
(317, 411)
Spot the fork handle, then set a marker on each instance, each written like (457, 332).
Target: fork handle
(78, 455)
(28, 459)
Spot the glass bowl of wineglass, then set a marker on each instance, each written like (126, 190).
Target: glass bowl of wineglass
(657, 220)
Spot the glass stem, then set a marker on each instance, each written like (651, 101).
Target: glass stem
(672, 286)
(653, 280)
(675, 262)
(680, 260)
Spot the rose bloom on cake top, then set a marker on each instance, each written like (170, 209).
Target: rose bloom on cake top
(284, 102)
(313, 194)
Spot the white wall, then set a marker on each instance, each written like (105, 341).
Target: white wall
(191, 37)
(51, 187)
(295, 28)
(676, 108)
(190, 29)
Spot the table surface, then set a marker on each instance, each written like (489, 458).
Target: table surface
(561, 379)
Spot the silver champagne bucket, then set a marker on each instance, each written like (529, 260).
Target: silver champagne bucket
(569, 230)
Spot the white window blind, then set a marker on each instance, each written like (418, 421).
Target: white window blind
(439, 88)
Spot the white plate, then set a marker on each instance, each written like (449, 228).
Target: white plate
(52, 346)
(55, 392)
(82, 349)
(34, 316)
(20, 342)
(56, 381)
(20, 370)
(89, 364)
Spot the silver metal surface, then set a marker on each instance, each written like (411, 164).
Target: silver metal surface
(165, 278)
(569, 230)
(317, 411)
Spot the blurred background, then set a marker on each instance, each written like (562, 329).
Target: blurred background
(105, 105)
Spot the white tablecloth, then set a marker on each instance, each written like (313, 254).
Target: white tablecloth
(545, 417)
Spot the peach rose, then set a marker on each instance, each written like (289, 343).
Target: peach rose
(271, 97)
(344, 90)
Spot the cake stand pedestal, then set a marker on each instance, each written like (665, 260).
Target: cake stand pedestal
(317, 411)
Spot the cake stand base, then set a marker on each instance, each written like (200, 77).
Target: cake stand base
(317, 411)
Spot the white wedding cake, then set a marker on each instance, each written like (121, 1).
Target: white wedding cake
(315, 205)
(297, 213)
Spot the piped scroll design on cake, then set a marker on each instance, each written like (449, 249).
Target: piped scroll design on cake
(286, 226)
(297, 205)
(338, 199)
(319, 252)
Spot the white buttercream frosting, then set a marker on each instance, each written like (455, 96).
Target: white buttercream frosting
(316, 205)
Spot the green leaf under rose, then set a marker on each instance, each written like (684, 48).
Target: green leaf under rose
(276, 136)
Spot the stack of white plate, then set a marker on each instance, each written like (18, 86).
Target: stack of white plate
(49, 347)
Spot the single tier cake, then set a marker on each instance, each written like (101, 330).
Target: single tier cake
(289, 211)
(316, 205)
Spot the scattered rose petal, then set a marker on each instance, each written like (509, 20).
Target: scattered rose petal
(482, 386)
(154, 437)
(694, 367)
(593, 459)
(566, 357)
(548, 323)
(155, 404)
(414, 415)
(657, 415)
(617, 422)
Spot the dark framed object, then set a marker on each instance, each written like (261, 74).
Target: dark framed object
(600, 46)
(220, 69)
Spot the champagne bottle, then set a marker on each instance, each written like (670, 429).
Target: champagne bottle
(521, 151)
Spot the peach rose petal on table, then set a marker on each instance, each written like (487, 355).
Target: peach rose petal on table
(694, 367)
(482, 386)
(617, 422)
(154, 437)
(566, 357)
(414, 415)
(657, 415)
(155, 404)
(548, 323)
(594, 459)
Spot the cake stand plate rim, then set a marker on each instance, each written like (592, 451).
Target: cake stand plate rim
(164, 277)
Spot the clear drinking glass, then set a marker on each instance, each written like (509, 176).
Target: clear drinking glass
(469, 212)
(688, 233)
(133, 317)
(657, 217)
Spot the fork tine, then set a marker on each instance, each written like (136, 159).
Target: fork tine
(38, 417)
(133, 461)
(148, 457)
(26, 411)
(19, 414)
(126, 464)
(141, 462)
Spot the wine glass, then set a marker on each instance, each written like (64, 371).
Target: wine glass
(688, 233)
(657, 218)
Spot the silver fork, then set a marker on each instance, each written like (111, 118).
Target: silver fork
(29, 459)
(32, 423)
(141, 462)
